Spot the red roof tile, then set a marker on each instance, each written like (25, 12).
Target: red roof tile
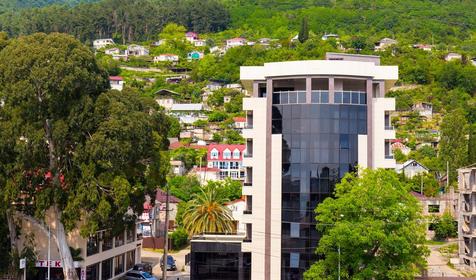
(239, 119)
(222, 147)
(115, 78)
(161, 196)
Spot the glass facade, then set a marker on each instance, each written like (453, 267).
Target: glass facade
(319, 147)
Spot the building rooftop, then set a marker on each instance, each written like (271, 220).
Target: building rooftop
(187, 107)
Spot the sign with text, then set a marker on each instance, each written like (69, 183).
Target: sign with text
(22, 263)
(54, 264)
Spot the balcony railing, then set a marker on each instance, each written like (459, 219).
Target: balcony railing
(247, 184)
(249, 126)
(248, 155)
(247, 212)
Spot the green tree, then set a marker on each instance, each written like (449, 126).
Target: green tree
(179, 238)
(375, 224)
(72, 149)
(453, 143)
(303, 35)
(183, 187)
(190, 156)
(472, 144)
(206, 212)
(174, 130)
(231, 188)
(446, 227)
(173, 31)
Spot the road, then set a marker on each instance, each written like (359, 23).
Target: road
(183, 271)
(438, 264)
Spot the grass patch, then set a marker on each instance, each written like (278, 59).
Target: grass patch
(435, 242)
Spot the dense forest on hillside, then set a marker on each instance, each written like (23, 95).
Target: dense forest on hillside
(444, 22)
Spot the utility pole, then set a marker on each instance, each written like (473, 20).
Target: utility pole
(49, 252)
(166, 236)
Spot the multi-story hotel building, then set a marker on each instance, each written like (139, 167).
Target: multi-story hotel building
(309, 122)
(103, 256)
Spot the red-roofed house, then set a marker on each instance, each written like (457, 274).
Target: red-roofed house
(240, 122)
(116, 82)
(228, 158)
(235, 42)
(191, 36)
(237, 207)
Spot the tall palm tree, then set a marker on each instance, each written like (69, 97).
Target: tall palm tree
(206, 212)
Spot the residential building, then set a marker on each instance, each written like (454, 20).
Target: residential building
(116, 82)
(423, 47)
(238, 209)
(453, 56)
(159, 43)
(165, 102)
(398, 145)
(195, 55)
(240, 122)
(199, 43)
(136, 50)
(178, 167)
(102, 43)
(188, 113)
(112, 51)
(228, 158)
(311, 123)
(235, 42)
(218, 50)
(166, 57)
(467, 217)
(425, 109)
(206, 174)
(191, 37)
(384, 43)
(326, 36)
(104, 256)
(411, 168)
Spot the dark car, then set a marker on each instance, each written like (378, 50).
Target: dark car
(147, 267)
(170, 263)
(138, 275)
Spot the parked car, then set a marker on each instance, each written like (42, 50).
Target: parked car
(138, 275)
(147, 267)
(170, 263)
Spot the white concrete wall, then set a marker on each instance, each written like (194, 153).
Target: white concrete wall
(276, 205)
(380, 105)
(258, 162)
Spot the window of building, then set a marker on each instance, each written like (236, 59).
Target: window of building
(346, 97)
(118, 265)
(215, 164)
(106, 267)
(294, 230)
(224, 164)
(435, 208)
(294, 260)
(214, 154)
(92, 272)
(227, 154)
(338, 97)
(119, 240)
(130, 259)
(106, 240)
(235, 174)
(236, 154)
(93, 245)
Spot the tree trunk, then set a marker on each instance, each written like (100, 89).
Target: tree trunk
(12, 229)
(65, 253)
(61, 240)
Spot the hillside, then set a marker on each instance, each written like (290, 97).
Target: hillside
(8, 5)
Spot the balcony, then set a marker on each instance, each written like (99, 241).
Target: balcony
(248, 155)
(247, 212)
(247, 184)
(389, 157)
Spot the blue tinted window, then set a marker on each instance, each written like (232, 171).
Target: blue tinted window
(346, 98)
(338, 97)
(325, 97)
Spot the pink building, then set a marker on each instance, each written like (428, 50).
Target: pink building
(228, 159)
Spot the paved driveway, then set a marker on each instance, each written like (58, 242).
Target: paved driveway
(438, 264)
(183, 271)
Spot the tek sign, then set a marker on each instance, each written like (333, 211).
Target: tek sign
(53, 264)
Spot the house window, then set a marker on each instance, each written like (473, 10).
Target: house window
(215, 164)
(93, 245)
(106, 241)
(130, 259)
(227, 154)
(294, 260)
(236, 154)
(214, 154)
(92, 272)
(223, 165)
(106, 269)
(295, 230)
(234, 174)
(118, 265)
(433, 208)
